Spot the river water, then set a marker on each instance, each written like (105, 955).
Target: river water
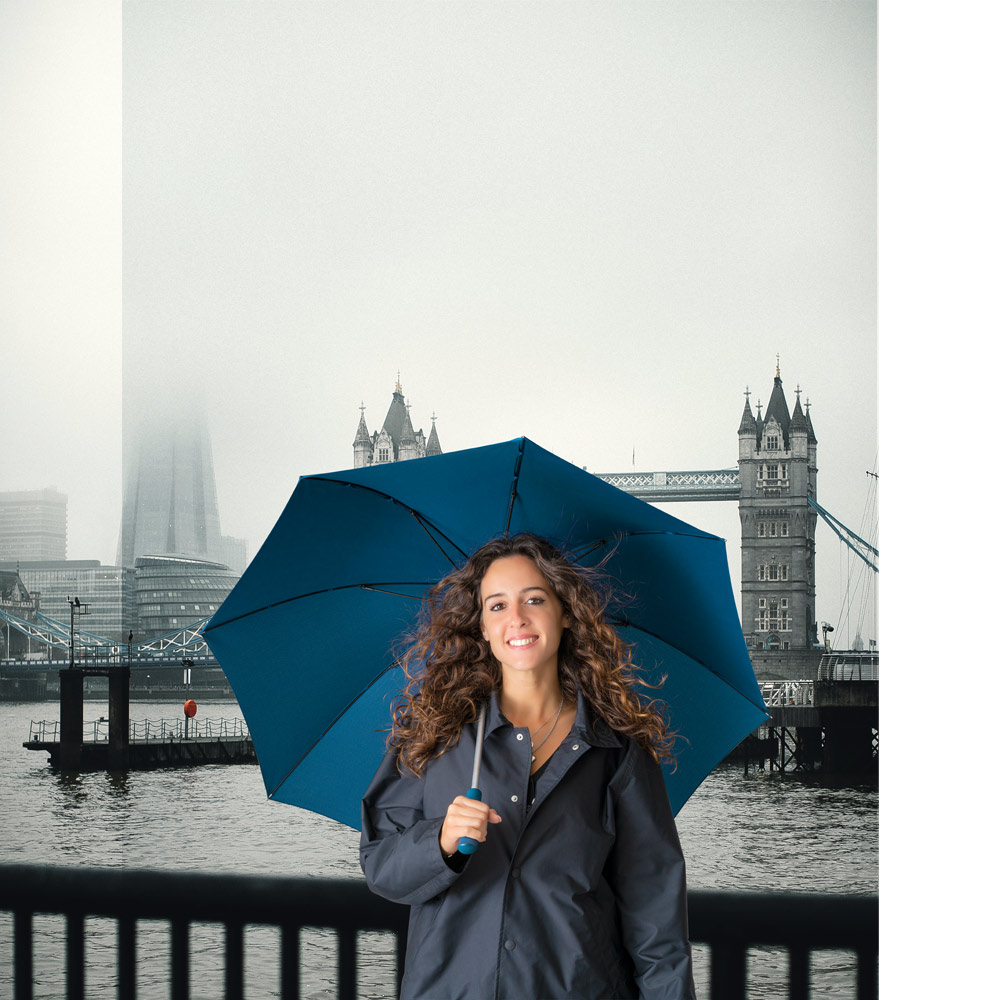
(763, 832)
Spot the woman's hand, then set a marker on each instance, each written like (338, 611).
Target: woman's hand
(465, 818)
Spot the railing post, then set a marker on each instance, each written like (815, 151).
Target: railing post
(23, 944)
(74, 956)
(126, 959)
(290, 957)
(867, 974)
(234, 961)
(347, 963)
(728, 972)
(798, 974)
(180, 960)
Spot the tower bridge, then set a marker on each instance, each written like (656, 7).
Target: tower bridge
(665, 487)
(774, 483)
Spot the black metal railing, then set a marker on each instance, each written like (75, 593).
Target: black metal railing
(730, 923)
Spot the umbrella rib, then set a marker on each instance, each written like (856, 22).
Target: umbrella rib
(513, 486)
(376, 587)
(625, 623)
(333, 722)
(392, 593)
(426, 528)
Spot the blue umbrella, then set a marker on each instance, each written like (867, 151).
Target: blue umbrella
(310, 636)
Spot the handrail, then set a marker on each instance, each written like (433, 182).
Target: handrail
(779, 694)
(729, 922)
(148, 730)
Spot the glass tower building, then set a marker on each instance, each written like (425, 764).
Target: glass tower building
(171, 592)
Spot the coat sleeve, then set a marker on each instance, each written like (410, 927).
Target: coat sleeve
(400, 853)
(647, 874)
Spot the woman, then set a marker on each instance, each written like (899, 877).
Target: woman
(577, 888)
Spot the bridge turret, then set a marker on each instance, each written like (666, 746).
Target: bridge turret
(798, 430)
(362, 443)
(408, 447)
(749, 440)
(777, 464)
(397, 441)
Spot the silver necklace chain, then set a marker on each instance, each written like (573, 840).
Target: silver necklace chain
(552, 728)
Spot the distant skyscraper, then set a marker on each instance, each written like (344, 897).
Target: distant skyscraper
(234, 553)
(169, 505)
(32, 525)
(397, 441)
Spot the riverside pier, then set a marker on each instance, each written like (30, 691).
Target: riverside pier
(115, 744)
(827, 724)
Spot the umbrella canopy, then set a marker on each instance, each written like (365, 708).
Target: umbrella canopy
(310, 635)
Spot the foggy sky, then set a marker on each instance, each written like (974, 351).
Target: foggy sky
(592, 224)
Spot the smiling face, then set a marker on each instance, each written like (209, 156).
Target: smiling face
(522, 618)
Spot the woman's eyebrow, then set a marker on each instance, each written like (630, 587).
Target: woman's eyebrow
(489, 597)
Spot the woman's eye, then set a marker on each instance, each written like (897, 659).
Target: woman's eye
(496, 607)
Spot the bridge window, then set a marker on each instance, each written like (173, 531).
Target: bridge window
(772, 618)
(771, 442)
(772, 571)
(383, 454)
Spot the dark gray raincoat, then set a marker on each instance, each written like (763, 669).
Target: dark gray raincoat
(581, 894)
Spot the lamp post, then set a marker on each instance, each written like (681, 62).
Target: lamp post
(75, 610)
(827, 628)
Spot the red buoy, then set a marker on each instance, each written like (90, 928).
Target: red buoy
(190, 708)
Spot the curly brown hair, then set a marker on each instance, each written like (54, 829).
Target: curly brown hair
(451, 670)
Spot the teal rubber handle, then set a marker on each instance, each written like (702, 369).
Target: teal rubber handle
(468, 845)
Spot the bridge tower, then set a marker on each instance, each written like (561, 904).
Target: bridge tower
(397, 441)
(777, 468)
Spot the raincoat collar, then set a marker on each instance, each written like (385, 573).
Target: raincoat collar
(589, 727)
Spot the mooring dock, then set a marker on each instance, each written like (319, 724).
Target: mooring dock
(152, 744)
(116, 744)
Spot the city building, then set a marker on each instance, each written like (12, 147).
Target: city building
(169, 505)
(777, 468)
(32, 525)
(172, 592)
(16, 600)
(106, 590)
(397, 441)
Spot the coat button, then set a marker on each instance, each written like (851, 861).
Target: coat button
(576, 746)
(509, 945)
(513, 798)
(520, 736)
(515, 873)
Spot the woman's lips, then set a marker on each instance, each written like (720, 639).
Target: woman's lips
(520, 641)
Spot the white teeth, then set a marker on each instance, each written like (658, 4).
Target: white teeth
(520, 642)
